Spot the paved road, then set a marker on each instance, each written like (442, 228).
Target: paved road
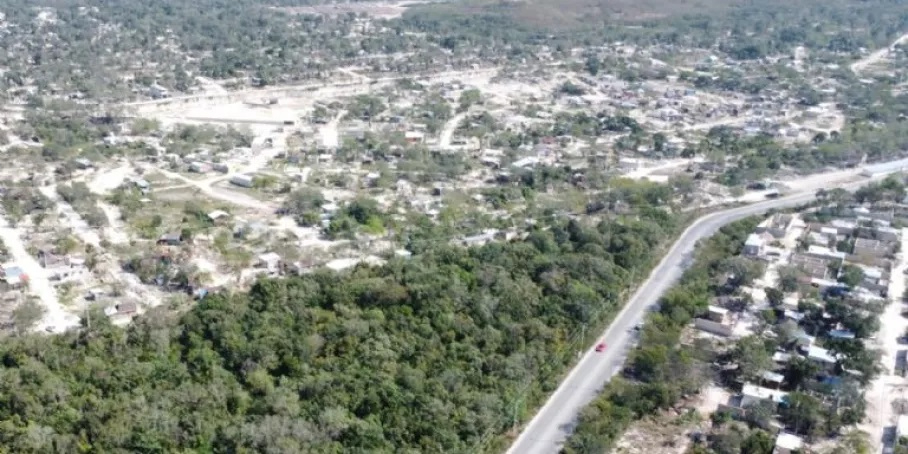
(547, 431)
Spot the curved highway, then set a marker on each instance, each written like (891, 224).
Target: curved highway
(547, 431)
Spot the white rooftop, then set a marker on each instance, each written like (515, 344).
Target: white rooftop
(788, 441)
(718, 310)
(825, 252)
(753, 240)
(270, 257)
(901, 426)
(820, 354)
(764, 393)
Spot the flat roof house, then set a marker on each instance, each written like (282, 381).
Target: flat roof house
(752, 394)
(754, 245)
(787, 443)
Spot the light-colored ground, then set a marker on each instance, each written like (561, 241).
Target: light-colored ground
(115, 232)
(108, 269)
(710, 398)
(56, 317)
(209, 85)
(447, 133)
(206, 266)
(328, 133)
(828, 179)
(108, 180)
(81, 229)
(876, 56)
(378, 10)
(207, 188)
(651, 169)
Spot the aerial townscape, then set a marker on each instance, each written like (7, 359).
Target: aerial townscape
(454, 226)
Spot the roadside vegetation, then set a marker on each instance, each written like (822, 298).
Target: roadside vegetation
(661, 369)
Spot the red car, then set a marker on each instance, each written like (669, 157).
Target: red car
(600, 347)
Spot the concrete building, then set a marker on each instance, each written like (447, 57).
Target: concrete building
(754, 245)
(270, 261)
(901, 427)
(158, 92)
(787, 443)
(864, 247)
(825, 253)
(199, 167)
(814, 267)
(242, 180)
(414, 137)
(820, 356)
(777, 225)
(752, 394)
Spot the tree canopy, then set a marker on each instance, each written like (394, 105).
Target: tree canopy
(436, 353)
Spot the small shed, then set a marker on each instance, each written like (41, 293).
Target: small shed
(171, 239)
(242, 180)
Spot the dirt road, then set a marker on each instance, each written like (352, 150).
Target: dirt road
(876, 56)
(447, 133)
(56, 318)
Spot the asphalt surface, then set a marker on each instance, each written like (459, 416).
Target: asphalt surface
(547, 431)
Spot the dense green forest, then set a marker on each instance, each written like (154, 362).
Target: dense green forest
(744, 29)
(104, 50)
(443, 352)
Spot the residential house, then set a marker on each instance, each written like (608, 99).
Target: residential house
(841, 334)
(825, 253)
(875, 279)
(487, 236)
(527, 162)
(414, 137)
(781, 358)
(787, 443)
(199, 167)
(126, 309)
(171, 239)
(250, 230)
(216, 215)
(718, 321)
(901, 427)
(773, 378)
(242, 180)
(864, 247)
(142, 185)
(821, 356)
(754, 245)
(156, 91)
(814, 267)
(778, 225)
(752, 394)
(717, 314)
(843, 226)
(83, 164)
(14, 276)
(271, 262)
